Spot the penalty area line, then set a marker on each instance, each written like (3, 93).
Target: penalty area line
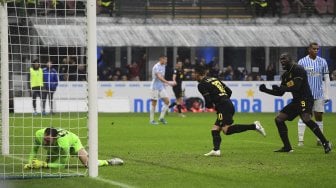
(111, 182)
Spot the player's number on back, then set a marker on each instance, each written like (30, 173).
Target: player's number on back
(220, 116)
(303, 103)
(219, 86)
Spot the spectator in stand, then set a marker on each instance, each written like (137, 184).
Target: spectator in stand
(245, 74)
(115, 78)
(202, 63)
(275, 6)
(258, 78)
(100, 61)
(72, 71)
(124, 78)
(228, 73)
(50, 79)
(333, 75)
(187, 68)
(270, 72)
(187, 64)
(238, 75)
(63, 69)
(212, 63)
(260, 7)
(106, 6)
(118, 73)
(249, 78)
(214, 71)
(81, 72)
(135, 68)
(298, 5)
(105, 74)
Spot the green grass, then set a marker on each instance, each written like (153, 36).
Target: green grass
(172, 155)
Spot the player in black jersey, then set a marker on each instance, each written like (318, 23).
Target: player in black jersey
(294, 80)
(178, 77)
(217, 94)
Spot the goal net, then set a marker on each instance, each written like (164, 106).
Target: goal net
(38, 43)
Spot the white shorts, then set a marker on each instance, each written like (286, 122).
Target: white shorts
(158, 94)
(318, 105)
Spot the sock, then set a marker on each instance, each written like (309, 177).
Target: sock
(301, 130)
(283, 132)
(179, 107)
(164, 111)
(320, 125)
(239, 128)
(102, 163)
(172, 105)
(216, 139)
(151, 113)
(316, 130)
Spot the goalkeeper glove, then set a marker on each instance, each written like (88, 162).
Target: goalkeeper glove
(27, 166)
(39, 164)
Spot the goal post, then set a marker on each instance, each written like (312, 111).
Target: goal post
(34, 30)
(92, 85)
(4, 79)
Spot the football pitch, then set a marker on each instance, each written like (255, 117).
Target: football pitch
(172, 155)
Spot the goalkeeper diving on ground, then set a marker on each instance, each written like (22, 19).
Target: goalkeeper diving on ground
(60, 144)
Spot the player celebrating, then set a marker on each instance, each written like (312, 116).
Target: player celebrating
(317, 69)
(294, 80)
(217, 94)
(177, 78)
(60, 144)
(158, 90)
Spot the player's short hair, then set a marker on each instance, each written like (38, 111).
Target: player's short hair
(313, 44)
(200, 70)
(51, 131)
(286, 57)
(162, 56)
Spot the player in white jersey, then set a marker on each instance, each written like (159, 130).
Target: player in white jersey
(158, 90)
(317, 70)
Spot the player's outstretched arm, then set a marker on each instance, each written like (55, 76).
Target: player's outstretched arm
(272, 91)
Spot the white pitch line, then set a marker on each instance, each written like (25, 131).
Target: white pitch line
(111, 182)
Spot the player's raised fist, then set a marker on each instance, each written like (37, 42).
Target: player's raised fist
(262, 88)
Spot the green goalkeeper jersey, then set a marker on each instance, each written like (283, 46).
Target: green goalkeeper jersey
(57, 155)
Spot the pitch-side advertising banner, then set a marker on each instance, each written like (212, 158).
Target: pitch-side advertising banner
(135, 96)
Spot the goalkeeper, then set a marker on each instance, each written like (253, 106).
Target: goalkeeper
(60, 144)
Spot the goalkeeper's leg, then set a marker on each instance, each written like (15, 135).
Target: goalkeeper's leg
(84, 158)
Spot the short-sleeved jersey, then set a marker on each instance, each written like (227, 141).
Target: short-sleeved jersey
(156, 83)
(215, 89)
(287, 79)
(316, 69)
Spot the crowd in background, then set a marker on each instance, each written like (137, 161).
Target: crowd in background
(70, 70)
(260, 8)
(298, 7)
